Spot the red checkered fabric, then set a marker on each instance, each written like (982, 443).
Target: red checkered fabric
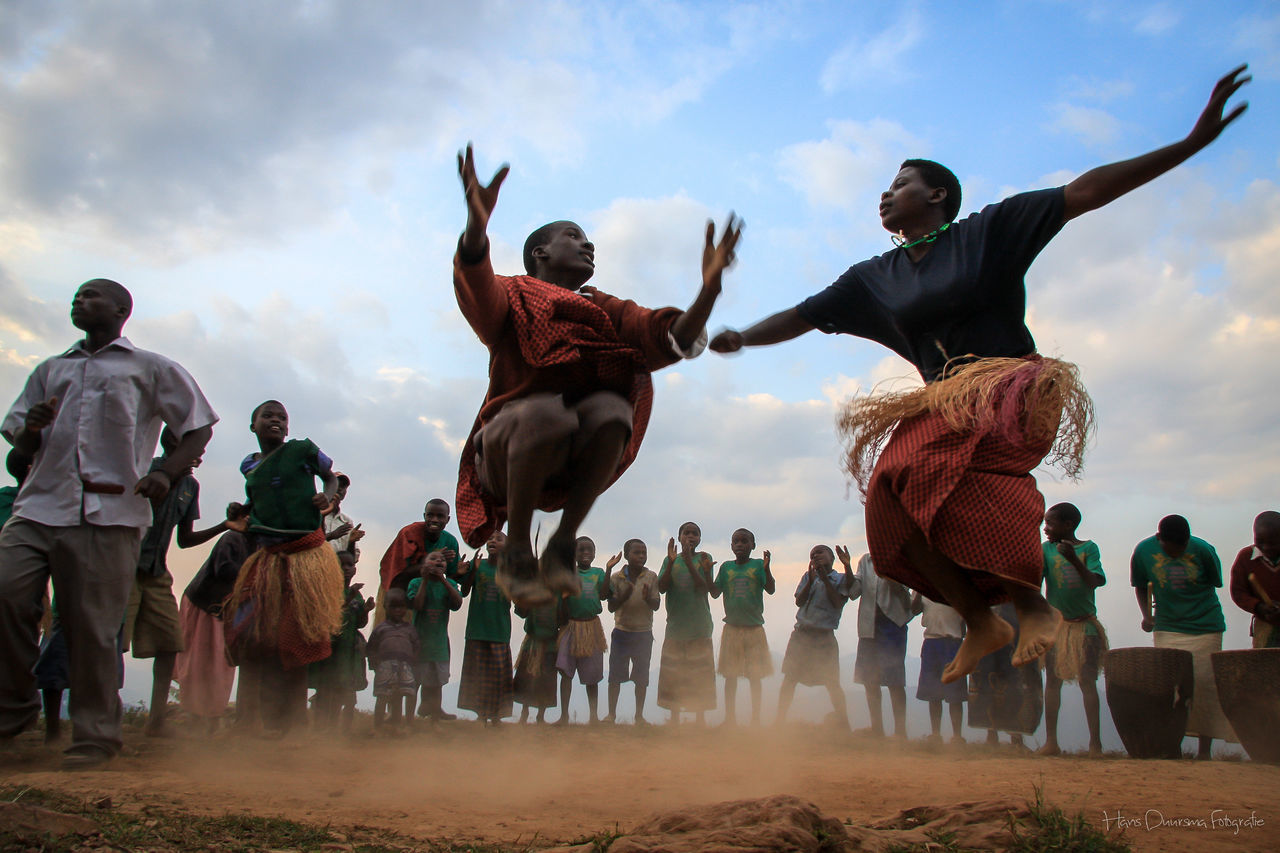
(970, 493)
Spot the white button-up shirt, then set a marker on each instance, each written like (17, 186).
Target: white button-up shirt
(111, 407)
(888, 596)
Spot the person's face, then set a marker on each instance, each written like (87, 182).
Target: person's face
(1267, 540)
(436, 517)
(906, 202)
(1171, 547)
(348, 569)
(821, 558)
(569, 255)
(1055, 529)
(637, 555)
(496, 543)
(398, 612)
(585, 552)
(341, 493)
(436, 563)
(94, 308)
(690, 537)
(741, 544)
(271, 422)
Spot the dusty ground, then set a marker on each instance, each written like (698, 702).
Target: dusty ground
(516, 785)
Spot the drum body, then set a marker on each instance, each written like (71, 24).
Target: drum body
(1149, 691)
(1249, 690)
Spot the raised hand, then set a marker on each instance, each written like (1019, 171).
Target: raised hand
(613, 561)
(671, 550)
(842, 552)
(356, 535)
(481, 199)
(718, 258)
(1212, 121)
(727, 341)
(766, 559)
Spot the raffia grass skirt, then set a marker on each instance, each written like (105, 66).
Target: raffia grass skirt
(952, 461)
(287, 602)
(1071, 651)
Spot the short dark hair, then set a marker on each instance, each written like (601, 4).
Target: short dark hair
(253, 417)
(585, 538)
(540, 237)
(692, 524)
(119, 294)
(1174, 528)
(749, 533)
(827, 548)
(1268, 520)
(938, 175)
(626, 546)
(18, 465)
(1068, 512)
(438, 502)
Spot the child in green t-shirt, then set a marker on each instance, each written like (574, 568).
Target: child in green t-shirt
(1072, 572)
(687, 673)
(744, 649)
(535, 680)
(340, 676)
(486, 685)
(581, 646)
(433, 596)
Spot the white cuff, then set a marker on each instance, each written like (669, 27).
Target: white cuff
(695, 349)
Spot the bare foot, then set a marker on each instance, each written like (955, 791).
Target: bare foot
(1049, 748)
(1037, 631)
(159, 730)
(983, 637)
(517, 576)
(556, 565)
(1095, 750)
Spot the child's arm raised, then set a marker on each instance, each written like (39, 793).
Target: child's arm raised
(668, 566)
(690, 325)
(770, 585)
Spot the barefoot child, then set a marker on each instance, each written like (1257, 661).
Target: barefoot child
(569, 386)
(535, 680)
(744, 648)
(1072, 574)
(943, 631)
(633, 599)
(581, 646)
(883, 613)
(393, 651)
(338, 678)
(1255, 580)
(687, 671)
(1004, 697)
(485, 686)
(434, 595)
(952, 508)
(813, 655)
(287, 601)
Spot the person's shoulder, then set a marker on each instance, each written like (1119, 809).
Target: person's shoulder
(1146, 546)
(1204, 547)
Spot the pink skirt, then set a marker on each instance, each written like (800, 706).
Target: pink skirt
(204, 677)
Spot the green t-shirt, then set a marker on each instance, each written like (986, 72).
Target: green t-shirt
(587, 602)
(688, 609)
(281, 487)
(432, 621)
(542, 622)
(1186, 597)
(489, 613)
(743, 588)
(1063, 586)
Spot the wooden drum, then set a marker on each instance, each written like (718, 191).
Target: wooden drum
(1249, 691)
(1149, 691)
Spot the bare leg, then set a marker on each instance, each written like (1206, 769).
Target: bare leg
(755, 701)
(642, 693)
(836, 692)
(935, 719)
(957, 721)
(524, 714)
(593, 701)
(874, 708)
(730, 701)
(1037, 622)
(1052, 704)
(161, 678)
(52, 715)
(1205, 752)
(898, 701)
(785, 695)
(1089, 690)
(986, 631)
(536, 451)
(379, 712)
(566, 690)
(588, 476)
(614, 690)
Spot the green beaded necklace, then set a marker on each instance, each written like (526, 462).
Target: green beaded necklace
(900, 239)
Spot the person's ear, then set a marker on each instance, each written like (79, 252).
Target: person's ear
(937, 195)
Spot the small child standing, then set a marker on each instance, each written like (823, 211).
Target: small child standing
(434, 595)
(1072, 574)
(744, 649)
(633, 599)
(582, 645)
(883, 614)
(1004, 697)
(393, 649)
(338, 678)
(535, 680)
(813, 654)
(943, 632)
(687, 673)
(486, 686)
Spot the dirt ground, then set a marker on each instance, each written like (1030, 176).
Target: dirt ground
(521, 785)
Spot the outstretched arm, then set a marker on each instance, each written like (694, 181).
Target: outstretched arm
(1105, 184)
(715, 260)
(481, 201)
(774, 329)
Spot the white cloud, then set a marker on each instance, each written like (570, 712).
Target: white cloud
(856, 160)
(1090, 125)
(1157, 20)
(873, 58)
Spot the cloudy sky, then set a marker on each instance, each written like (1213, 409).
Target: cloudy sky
(276, 184)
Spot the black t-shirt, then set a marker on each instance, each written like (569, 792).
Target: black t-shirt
(965, 297)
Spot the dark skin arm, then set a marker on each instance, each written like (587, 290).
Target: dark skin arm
(189, 537)
(1105, 184)
(1144, 605)
(615, 601)
(774, 329)
(715, 260)
(1067, 549)
(769, 584)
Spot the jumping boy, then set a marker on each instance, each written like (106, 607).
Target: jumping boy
(434, 595)
(1072, 573)
(1255, 580)
(581, 647)
(569, 386)
(744, 648)
(88, 419)
(883, 614)
(633, 599)
(813, 655)
(485, 686)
